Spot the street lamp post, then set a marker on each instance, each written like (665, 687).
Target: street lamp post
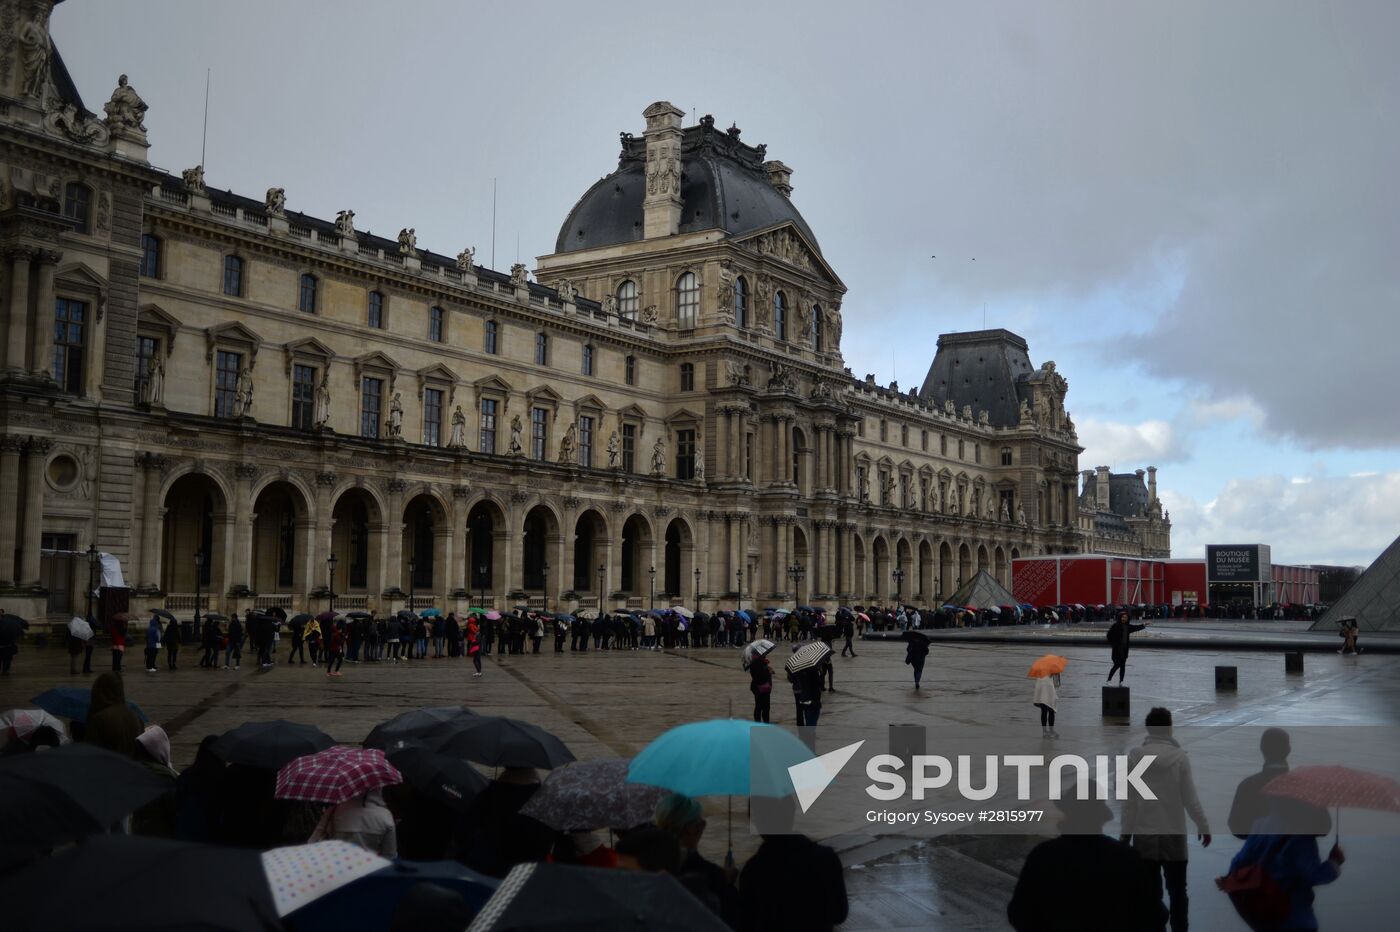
(481, 583)
(796, 572)
(651, 571)
(412, 571)
(697, 588)
(544, 584)
(93, 558)
(602, 572)
(330, 565)
(739, 576)
(898, 584)
(198, 572)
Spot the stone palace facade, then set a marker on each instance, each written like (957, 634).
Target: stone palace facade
(232, 397)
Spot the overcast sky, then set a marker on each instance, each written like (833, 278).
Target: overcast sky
(1192, 208)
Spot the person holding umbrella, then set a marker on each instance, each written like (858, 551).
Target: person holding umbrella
(1046, 673)
(170, 639)
(153, 635)
(297, 626)
(474, 644)
(312, 639)
(761, 685)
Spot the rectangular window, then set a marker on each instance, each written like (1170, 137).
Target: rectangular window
(491, 345)
(146, 349)
(860, 478)
(748, 456)
(70, 320)
(860, 428)
(587, 360)
(150, 256)
(923, 440)
(943, 444)
(303, 397)
(432, 417)
(539, 433)
(77, 205)
(435, 318)
(629, 447)
(904, 435)
(977, 452)
(541, 349)
(233, 276)
(685, 454)
(306, 295)
(631, 370)
(585, 441)
(687, 377)
(376, 310)
(961, 449)
(487, 442)
(226, 368)
(884, 431)
(1006, 457)
(371, 400)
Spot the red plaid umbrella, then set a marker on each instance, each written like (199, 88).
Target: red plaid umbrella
(335, 775)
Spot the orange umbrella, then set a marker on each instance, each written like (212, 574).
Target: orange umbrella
(1048, 665)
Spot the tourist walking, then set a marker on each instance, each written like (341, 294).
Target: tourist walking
(234, 651)
(1118, 634)
(848, 631)
(312, 638)
(474, 647)
(335, 649)
(1044, 699)
(761, 685)
(1284, 849)
(153, 634)
(915, 654)
(1157, 827)
(209, 643)
(297, 626)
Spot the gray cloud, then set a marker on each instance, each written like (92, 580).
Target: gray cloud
(1239, 156)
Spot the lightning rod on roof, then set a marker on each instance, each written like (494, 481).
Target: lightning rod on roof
(204, 140)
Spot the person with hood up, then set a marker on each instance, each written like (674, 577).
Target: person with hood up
(365, 821)
(761, 685)
(1284, 845)
(110, 722)
(158, 817)
(153, 635)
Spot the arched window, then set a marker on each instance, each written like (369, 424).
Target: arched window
(741, 303)
(816, 328)
(779, 315)
(687, 301)
(306, 294)
(77, 205)
(627, 300)
(233, 276)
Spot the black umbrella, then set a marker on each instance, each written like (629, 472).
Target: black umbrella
(425, 725)
(12, 626)
(63, 794)
(278, 611)
(300, 618)
(269, 744)
(555, 896)
(215, 616)
(406, 615)
(162, 613)
(358, 615)
(504, 742)
(130, 883)
(448, 780)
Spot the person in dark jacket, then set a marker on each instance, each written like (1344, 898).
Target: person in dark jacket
(1085, 880)
(761, 685)
(110, 722)
(1285, 846)
(297, 626)
(684, 819)
(807, 693)
(492, 836)
(794, 864)
(153, 635)
(915, 654)
(171, 641)
(1250, 804)
(1118, 639)
(197, 789)
(234, 651)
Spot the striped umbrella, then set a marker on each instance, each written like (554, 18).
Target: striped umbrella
(335, 775)
(807, 656)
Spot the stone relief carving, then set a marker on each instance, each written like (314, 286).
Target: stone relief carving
(649, 314)
(466, 259)
(345, 222)
(64, 119)
(785, 246)
(193, 178)
(275, 202)
(408, 242)
(519, 275)
(567, 291)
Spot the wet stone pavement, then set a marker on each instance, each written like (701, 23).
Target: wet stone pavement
(613, 703)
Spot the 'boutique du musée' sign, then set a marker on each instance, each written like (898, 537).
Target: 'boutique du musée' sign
(1235, 563)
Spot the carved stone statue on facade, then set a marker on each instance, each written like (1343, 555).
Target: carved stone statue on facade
(932, 503)
(567, 445)
(949, 408)
(1069, 423)
(458, 438)
(887, 489)
(516, 447)
(126, 110)
(154, 387)
(726, 290)
(864, 486)
(519, 275)
(323, 401)
(833, 328)
(466, 259)
(782, 377)
(967, 412)
(35, 51)
(614, 451)
(1005, 512)
(658, 457)
(567, 291)
(243, 393)
(698, 466)
(736, 372)
(984, 418)
(396, 416)
(649, 315)
(1025, 414)
(1021, 516)
(610, 305)
(276, 201)
(991, 509)
(66, 119)
(193, 178)
(345, 222)
(408, 242)
(954, 500)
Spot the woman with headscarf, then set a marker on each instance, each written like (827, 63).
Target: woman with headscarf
(684, 819)
(110, 722)
(158, 817)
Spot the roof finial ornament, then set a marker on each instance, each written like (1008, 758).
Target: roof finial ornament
(733, 131)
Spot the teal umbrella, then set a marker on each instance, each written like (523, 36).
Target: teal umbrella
(723, 757)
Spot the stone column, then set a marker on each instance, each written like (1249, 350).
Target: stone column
(323, 540)
(151, 518)
(457, 567)
(238, 559)
(10, 447)
(734, 460)
(17, 338)
(848, 561)
(41, 365)
(35, 453)
(393, 563)
(781, 530)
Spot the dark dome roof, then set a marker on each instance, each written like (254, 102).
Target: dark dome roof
(982, 368)
(723, 186)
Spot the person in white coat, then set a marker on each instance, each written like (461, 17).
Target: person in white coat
(1157, 827)
(365, 821)
(1044, 700)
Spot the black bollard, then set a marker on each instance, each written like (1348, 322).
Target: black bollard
(1293, 661)
(1227, 677)
(1116, 702)
(906, 741)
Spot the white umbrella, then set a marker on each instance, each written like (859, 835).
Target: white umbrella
(682, 611)
(807, 656)
(22, 723)
(80, 629)
(756, 649)
(301, 873)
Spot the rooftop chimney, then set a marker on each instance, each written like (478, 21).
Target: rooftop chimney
(1152, 483)
(779, 176)
(661, 209)
(1101, 488)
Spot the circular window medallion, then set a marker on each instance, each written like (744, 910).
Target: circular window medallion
(63, 472)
